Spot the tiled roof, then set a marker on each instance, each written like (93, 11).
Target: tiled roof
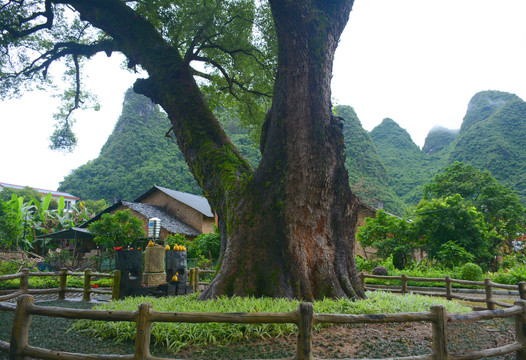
(42, 191)
(168, 221)
(73, 233)
(196, 202)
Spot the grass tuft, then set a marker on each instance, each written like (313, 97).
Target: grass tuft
(178, 335)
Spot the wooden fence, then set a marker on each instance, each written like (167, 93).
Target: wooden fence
(86, 291)
(304, 317)
(194, 277)
(487, 284)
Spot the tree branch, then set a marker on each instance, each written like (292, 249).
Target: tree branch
(231, 81)
(76, 103)
(48, 14)
(63, 49)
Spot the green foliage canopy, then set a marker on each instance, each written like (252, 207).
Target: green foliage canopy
(453, 231)
(118, 229)
(390, 235)
(499, 205)
(234, 40)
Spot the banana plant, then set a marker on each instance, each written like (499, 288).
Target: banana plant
(15, 215)
(42, 215)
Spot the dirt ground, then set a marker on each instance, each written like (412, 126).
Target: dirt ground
(371, 341)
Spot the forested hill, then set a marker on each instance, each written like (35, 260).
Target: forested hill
(386, 168)
(135, 157)
(367, 174)
(492, 137)
(497, 140)
(138, 155)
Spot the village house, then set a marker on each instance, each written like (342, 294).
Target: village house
(364, 211)
(180, 213)
(69, 200)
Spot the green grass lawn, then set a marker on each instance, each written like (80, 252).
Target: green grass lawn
(224, 341)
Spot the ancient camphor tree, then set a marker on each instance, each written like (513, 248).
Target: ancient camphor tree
(287, 227)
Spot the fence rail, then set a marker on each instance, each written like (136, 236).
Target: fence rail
(194, 277)
(86, 291)
(448, 293)
(304, 318)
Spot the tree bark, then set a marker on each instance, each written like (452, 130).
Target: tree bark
(287, 228)
(291, 234)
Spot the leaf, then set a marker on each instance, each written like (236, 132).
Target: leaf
(45, 202)
(61, 205)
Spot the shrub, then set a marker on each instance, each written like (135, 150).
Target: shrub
(178, 239)
(192, 249)
(380, 270)
(58, 259)
(209, 244)
(366, 265)
(503, 278)
(471, 272)
(13, 266)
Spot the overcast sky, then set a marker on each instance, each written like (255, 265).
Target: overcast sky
(416, 61)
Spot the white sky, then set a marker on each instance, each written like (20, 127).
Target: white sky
(416, 61)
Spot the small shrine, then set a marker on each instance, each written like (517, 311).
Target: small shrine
(164, 273)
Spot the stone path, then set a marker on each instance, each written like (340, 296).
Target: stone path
(70, 296)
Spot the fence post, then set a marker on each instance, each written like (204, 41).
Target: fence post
(362, 279)
(522, 292)
(448, 288)
(116, 285)
(196, 279)
(20, 329)
(63, 279)
(404, 284)
(305, 330)
(24, 280)
(489, 294)
(142, 336)
(520, 329)
(62, 285)
(87, 286)
(191, 277)
(440, 350)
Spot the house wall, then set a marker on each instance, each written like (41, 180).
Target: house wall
(184, 212)
(363, 212)
(69, 203)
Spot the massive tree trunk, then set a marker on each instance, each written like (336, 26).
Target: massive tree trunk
(291, 231)
(288, 227)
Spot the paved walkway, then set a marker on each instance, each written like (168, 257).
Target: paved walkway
(70, 296)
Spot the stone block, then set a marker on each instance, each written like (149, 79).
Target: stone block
(154, 259)
(154, 279)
